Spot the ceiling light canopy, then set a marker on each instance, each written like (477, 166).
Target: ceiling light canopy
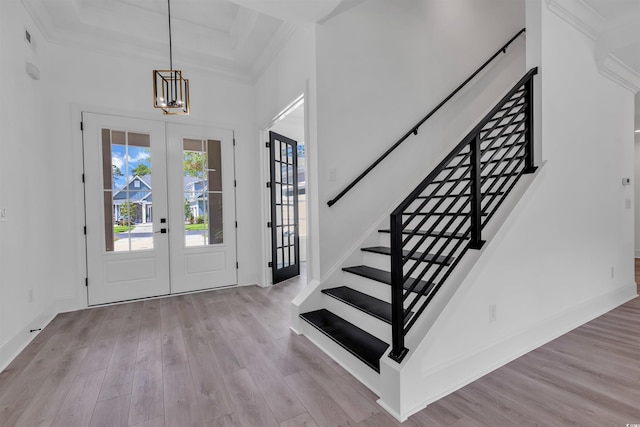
(170, 88)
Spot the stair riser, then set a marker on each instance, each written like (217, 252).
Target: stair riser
(450, 204)
(385, 240)
(375, 289)
(370, 287)
(362, 320)
(353, 365)
(416, 223)
(440, 204)
(383, 262)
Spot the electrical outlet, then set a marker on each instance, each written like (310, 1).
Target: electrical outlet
(492, 312)
(332, 174)
(627, 203)
(3, 214)
(30, 295)
(613, 272)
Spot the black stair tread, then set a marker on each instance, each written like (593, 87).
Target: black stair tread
(361, 344)
(373, 306)
(385, 250)
(431, 234)
(384, 276)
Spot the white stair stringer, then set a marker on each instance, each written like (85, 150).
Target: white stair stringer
(407, 378)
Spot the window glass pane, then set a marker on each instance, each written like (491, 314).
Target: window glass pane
(108, 170)
(108, 221)
(202, 175)
(127, 184)
(215, 218)
(214, 165)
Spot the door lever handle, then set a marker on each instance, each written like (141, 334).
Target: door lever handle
(162, 230)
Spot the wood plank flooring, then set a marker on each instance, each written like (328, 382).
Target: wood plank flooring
(227, 358)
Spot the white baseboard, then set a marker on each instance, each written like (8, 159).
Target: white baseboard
(12, 348)
(392, 412)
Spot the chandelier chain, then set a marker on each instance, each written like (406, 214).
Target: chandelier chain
(170, 47)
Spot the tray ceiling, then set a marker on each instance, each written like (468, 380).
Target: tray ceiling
(232, 37)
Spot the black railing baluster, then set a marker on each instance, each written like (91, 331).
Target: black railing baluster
(507, 135)
(476, 195)
(529, 165)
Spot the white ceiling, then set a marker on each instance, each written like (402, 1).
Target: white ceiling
(233, 37)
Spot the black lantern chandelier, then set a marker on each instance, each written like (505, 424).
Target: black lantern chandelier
(170, 88)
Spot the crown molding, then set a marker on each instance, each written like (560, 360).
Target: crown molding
(586, 20)
(580, 15)
(619, 72)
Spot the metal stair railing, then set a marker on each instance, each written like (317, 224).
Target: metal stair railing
(444, 216)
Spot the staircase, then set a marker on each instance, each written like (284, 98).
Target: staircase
(429, 233)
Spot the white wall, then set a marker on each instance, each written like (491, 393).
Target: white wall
(381, 67)
(291, 74)
(29, 184)
(42, 245)
(566, 254)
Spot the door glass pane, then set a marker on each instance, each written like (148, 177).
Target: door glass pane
(202, 175)
(126, 172)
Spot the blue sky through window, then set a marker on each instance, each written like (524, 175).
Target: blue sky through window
(137, 156)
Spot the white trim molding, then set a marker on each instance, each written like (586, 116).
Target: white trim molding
(580, 15)
(619, 72)
(585, 19)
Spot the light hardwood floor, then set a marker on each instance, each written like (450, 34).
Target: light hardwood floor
(227, 358)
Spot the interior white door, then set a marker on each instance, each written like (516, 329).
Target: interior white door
(126, 208)
(202, 223)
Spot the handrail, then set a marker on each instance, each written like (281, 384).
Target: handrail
(444, 215)
(414, 129)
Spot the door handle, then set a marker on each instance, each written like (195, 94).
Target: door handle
(162, 230)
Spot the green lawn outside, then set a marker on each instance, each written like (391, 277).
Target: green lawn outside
(196, 227)
(121, 228)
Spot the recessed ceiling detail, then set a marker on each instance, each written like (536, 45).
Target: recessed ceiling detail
(235, 38)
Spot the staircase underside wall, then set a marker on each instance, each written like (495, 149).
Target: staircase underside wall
(565, 254)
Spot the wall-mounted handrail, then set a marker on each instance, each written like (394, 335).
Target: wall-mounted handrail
(444, 215)
(415, 128)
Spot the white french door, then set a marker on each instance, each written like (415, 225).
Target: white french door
(202, 207)
(160, 208)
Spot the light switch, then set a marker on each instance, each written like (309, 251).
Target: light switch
(3, 214)
(627, 203)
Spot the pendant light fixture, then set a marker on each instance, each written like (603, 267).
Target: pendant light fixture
(170, 89)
